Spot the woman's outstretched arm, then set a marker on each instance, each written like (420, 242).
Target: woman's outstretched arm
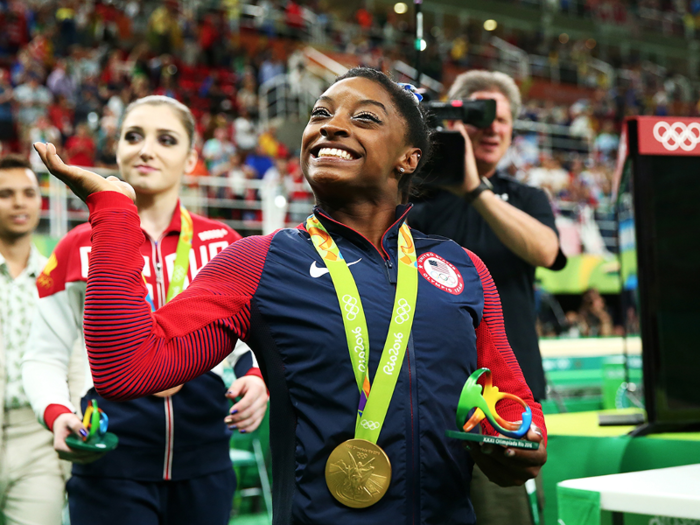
(134, 352)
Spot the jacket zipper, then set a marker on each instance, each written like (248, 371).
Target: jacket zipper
(159, 274)
(388, 267)
(415, 453)
(167, 401)
(169, 438)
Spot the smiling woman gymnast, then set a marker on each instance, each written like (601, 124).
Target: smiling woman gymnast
(355, 433)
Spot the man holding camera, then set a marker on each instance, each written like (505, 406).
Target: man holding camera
(510, 226)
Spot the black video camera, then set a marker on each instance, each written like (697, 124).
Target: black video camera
(446, 164)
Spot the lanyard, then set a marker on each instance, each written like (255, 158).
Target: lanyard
(182, 259)
(372, 408)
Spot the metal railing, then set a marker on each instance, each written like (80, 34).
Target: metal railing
(553, 137)
(279, 98)
(512, 59)
(206, 196)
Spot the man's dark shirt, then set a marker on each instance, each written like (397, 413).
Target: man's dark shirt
(445, 214)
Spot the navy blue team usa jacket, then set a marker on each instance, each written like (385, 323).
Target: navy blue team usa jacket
(275, 293)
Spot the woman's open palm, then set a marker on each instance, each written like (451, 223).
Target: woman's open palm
(82, 182)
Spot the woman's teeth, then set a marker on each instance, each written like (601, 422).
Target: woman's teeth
(334, 152)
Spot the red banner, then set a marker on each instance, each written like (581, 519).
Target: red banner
(669, 135)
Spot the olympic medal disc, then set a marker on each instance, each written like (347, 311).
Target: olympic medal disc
(358, 473)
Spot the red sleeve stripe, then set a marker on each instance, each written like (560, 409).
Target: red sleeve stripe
(494, 353)
(134, 352)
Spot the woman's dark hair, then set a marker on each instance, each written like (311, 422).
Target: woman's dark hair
(13, 161)
(418, 133)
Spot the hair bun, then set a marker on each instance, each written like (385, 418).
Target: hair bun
(412, 90)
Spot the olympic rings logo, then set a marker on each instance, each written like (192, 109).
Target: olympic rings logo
(350, 307)
(677, 135)
(402, 311)
(369, 425)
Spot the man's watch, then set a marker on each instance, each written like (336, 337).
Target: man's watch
(484, 185)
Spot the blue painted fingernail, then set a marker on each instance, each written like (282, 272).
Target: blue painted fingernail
(232, 427)
(234, 412)
(242, 431)
(83, 432)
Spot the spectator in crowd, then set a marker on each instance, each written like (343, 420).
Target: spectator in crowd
(582, 123)
(34, 100)
(208, 38)
(258, 162)
(607, 142)
(269, 144)
(107, 154)
(510, 226)
(7, 119)
(217, 152)
(109, 125)
(270, 68)
(88, 102)
(42, 131)
(593, 318)
(31, 478)
(237, 176)
(163, 28)
(119, 100)
(60, 82)
(274, 195)
(61, 115)
(247, 97)
(245, 132)
(550, 176)
(80, 148)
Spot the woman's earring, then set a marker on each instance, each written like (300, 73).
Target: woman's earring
(401, 170)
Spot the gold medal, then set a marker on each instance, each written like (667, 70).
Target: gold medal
(358, 473)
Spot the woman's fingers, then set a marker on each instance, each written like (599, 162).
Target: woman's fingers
(510, 466)
(249, 416)
(82, 182)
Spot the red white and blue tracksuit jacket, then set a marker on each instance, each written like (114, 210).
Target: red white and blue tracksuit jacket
(171, 438)
(274, 293)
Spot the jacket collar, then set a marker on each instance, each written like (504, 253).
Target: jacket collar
(388, 239)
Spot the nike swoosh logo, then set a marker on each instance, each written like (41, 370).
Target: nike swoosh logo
(317, 272)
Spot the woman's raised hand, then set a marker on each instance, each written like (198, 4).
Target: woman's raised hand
(82, 182)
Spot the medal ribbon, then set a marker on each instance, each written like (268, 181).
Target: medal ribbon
(372, 409)
(182, 258)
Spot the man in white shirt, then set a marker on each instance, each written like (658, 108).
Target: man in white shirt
(31, 479)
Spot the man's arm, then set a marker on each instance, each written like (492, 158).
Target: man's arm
(46, 362)
(524, 235)
(55, 328)
(527, 237)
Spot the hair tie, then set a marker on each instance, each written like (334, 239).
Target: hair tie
(412, 90)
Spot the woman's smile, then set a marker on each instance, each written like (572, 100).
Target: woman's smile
(333, 153)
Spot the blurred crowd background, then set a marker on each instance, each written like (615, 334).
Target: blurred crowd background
(251, 71)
